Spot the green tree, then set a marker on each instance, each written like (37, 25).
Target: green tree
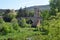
(31, 13)
(58, 5)
(14, 23)
(45, 14)
(9, 15)
(23, 23)
(26, 14)
(55, 6)
(12, 14)
(23, 12)
(1, 20)
(6, 28)
(20, 13)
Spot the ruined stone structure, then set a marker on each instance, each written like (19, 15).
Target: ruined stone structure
(36, 18)
(36, 21)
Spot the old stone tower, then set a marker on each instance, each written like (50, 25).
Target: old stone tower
(36, 21)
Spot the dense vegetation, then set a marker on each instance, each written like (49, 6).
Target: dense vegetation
(13, 29)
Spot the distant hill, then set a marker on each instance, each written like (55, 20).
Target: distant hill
(41, 7)
(2, 10)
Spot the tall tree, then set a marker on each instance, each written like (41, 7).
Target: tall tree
(20, 13)
(58, 5)
(26, 14)
(53, 7)
(23, 12)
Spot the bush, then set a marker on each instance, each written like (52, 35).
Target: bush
(5, 28)
(9, 15)
(23, 23)
(45, 14)
(14, 23)
(1, 20)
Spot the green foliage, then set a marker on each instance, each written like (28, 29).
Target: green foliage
(23, 23)
(20, 30)
(1, 13)
(45, 14)
(9, 15)
(1, 20)
(14, 23)
(31, 13)
(20, 13)
(23, 12)
(26, 14)
(55, 6)
(5, 28)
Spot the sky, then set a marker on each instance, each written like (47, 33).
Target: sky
(16, 4)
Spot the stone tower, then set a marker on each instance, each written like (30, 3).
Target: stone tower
(36, 14)
(36, 21)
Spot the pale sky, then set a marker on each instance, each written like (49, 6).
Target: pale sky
(16, 4)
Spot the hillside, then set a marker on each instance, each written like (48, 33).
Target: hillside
(41, 7)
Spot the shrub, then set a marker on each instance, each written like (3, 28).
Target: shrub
(9, 15)
(1, 20)
(14, 23)
(23, 23)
